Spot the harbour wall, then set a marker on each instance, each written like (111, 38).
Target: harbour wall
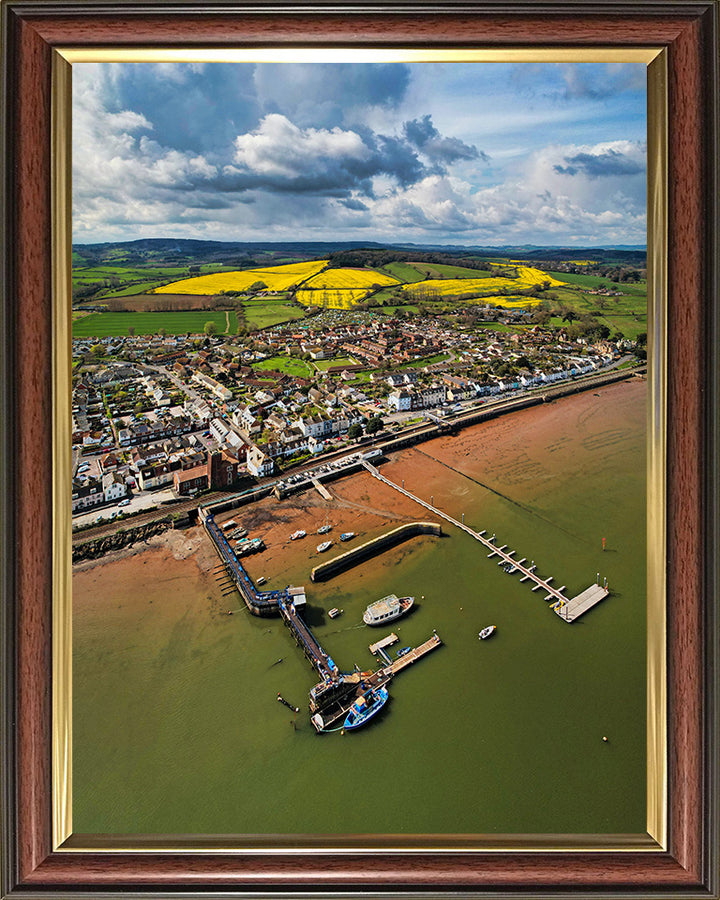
(370, 548)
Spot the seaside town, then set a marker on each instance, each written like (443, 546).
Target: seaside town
(166, 417)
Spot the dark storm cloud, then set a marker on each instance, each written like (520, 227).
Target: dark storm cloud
(280, 156)
(441, 150)
(602, 165)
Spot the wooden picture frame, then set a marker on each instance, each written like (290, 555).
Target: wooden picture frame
(688, 866)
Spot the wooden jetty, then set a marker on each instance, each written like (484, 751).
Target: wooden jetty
(416, 653)
(574, 607)
(382, 644)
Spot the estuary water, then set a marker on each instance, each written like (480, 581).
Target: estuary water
(176, 724)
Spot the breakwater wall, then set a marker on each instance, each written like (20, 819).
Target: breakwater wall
(370, 548)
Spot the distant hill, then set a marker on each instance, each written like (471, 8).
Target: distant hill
(184, 251)
(245, 254)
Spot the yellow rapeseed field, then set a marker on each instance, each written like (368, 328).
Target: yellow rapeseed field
(443, 287)
(332, 299)
(341, 279)
(277, 278)
(528, 276)
(511, 302)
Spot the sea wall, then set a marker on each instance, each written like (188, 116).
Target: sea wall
(124, 537)
(370, 548)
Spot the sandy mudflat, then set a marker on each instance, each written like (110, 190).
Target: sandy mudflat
(173, 566)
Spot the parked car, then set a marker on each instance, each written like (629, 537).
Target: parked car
(125, 502)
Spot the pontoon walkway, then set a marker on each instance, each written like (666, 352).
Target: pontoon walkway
(574, 608)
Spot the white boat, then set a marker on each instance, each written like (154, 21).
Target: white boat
(326, 545)
(324, 529)
(296, 535)
(334, 612)
(261, 580)
(486, 632)
(347, 535)
(387, 609)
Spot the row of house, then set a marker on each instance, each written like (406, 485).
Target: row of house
(97, 491)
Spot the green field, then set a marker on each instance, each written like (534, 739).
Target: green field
(119, 281)
(266, 313)
(426, 361)
(287, 364)
(115, 324)
(391, 310)
(402, 271)
(324, 364)
(439, 270)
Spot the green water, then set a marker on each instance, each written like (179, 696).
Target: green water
(179, 730)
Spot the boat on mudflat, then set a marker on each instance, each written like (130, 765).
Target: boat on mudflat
(296, 535)
(486, 632)
(387, 609)
(323, 529)
(365, 707)
(347, 535)
(326, 545)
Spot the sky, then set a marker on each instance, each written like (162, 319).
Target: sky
(484, 154)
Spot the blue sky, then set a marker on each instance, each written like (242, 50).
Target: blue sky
(442, 153)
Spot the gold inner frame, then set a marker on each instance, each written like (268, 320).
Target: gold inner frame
(656, 837)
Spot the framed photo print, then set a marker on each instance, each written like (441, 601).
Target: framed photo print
(360, 449)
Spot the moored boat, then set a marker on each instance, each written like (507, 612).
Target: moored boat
(402, 651)
(261, 580)
(326, 545)
(486, 632)
(387, 609)
(334, 612)
(323, 529)
(347, 535)
(296, 535)
(365, 707)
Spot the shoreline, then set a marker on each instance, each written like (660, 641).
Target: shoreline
(367, 507)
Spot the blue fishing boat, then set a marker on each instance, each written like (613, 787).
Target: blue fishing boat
(402, 651)
(365, 707)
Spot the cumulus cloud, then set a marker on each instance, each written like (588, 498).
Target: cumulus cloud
(281, 156)
(538, 200)
(223, 151)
